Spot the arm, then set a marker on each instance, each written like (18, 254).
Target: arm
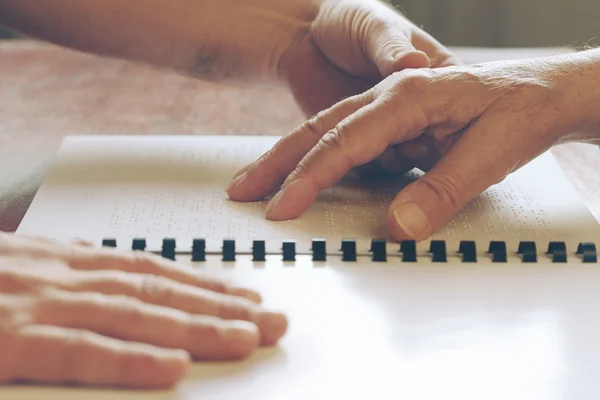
(212, 39)
(323, 50)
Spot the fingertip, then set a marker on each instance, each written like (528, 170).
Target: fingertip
(272, 326)
(254, 184)
(411, 59)
(407, 221)
(292, 200)
(154, 367)
(242, 338)
(251, 295)
(173, 368)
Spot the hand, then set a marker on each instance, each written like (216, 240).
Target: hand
(480, 123)
(78, 314)
(349, 47)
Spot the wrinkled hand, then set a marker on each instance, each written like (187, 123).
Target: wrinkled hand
(350, 46)
(478, 123)
(78, 314)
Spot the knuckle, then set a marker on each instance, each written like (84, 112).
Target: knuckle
(122, 312)
(445, 190)
(415, 82)
(235, 308)
(315, 125)
(156, 289)
(336, 140)
(141, 261)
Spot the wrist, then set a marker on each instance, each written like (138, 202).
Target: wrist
(580, 79)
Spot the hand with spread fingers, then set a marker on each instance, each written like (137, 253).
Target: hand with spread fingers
(469, 127)
(78, 314)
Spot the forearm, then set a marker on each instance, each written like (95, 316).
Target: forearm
(581, 84)
(212, 39)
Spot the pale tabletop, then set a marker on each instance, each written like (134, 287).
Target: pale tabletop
(47, 93)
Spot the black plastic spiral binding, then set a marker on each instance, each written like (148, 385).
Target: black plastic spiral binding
(468, 249)
(348, 250)
(138, 244)
(558, 252)
(259, 250)
(437, 248)
(408, 248)
(588, 252)
(168, 248)
(199, 250)
(378, 250)
(498, 251)
(319, 250)
(228, 252)
(528, 251)
(289, 250)
(109, 243)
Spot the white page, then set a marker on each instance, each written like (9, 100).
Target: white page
(357, 330)
(174, 186)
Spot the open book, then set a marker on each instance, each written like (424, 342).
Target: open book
(518, 327)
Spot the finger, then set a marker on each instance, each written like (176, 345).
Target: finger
(82, 242)
(54, 355)
(392, 163)
(345, 147)
(266, 174)
(481, 158)
(147, 263)
(439, 54)
(389, 47)
(421, 152)
(127, 318)
(164, 292)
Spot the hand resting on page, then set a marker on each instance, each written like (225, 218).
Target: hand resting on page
(83, 315)
(467, 126)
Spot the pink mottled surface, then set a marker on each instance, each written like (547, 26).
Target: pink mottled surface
(47, 93)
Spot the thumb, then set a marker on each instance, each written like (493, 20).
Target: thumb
(473, 165)
(391, 50)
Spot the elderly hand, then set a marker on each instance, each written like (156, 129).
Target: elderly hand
(78, 314)
(477, 124)
(349, 46)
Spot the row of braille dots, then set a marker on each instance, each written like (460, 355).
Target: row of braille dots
(408, 248)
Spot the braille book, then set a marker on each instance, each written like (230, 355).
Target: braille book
(499, 303)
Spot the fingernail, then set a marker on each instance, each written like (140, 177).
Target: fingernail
(412, 220)
(237, 180)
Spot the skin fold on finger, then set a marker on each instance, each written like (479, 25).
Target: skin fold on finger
(164, 292)
(266, 174)
(54, 355)
(342, 149)
(126, 318)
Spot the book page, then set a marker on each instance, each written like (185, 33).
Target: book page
(174, 186)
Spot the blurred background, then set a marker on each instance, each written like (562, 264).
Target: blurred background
(503, 23)
(507, 23)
